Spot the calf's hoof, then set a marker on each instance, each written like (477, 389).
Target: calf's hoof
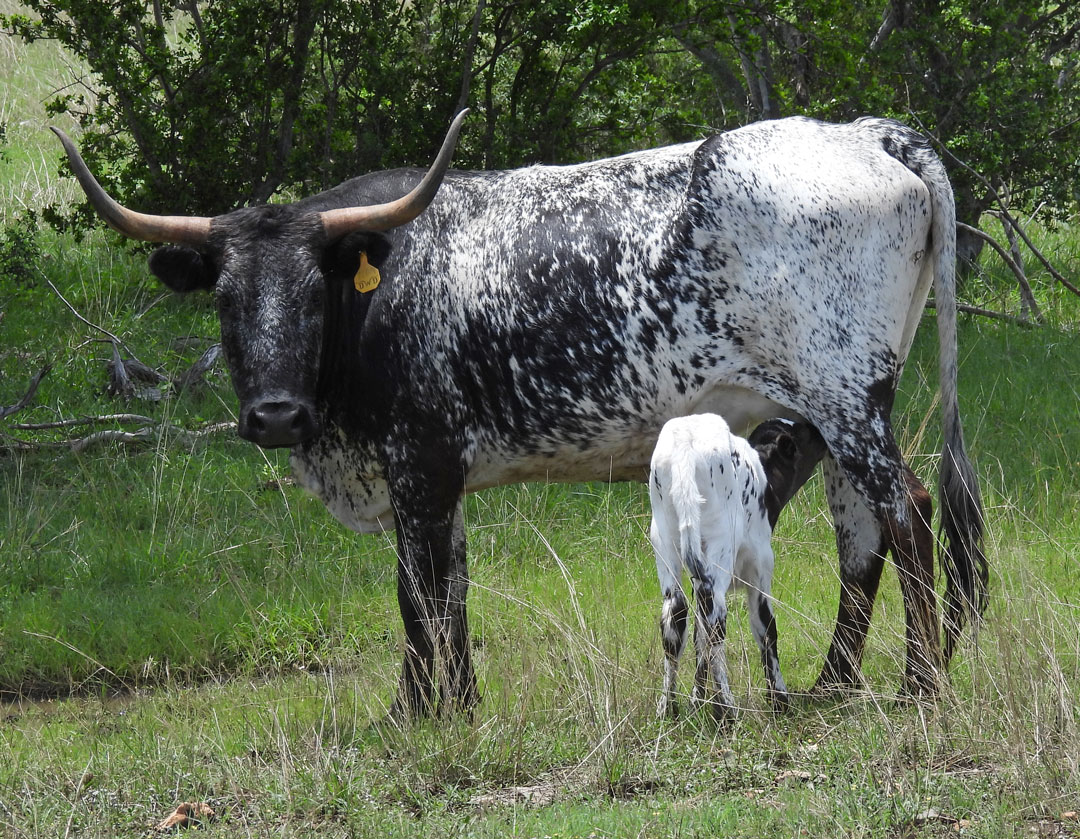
(667, 709)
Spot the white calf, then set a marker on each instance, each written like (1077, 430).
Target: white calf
(715, 500)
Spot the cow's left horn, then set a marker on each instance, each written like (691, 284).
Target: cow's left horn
(181, 230)
(395, 213)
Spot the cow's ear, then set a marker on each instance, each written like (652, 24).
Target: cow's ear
(183, 269)
(785, 445)
(342, 257)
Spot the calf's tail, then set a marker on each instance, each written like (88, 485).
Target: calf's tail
(687, 501)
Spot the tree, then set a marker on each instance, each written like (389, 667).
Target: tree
(200, 107)
(996, 82)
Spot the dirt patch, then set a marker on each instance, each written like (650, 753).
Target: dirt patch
(557, 786)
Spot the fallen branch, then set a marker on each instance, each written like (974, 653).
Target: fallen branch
(30, 391)
(1026, 295)
(193, 377)
(122, 376)
(125, 375)
(116, 341)
(987, 313)
(147, 434)
(68, 423)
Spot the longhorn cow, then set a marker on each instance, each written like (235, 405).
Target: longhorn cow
(543, 323)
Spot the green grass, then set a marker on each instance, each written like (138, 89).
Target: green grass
(210, 633)
(262, 640)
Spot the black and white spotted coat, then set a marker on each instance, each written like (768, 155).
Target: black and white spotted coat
(543, 324)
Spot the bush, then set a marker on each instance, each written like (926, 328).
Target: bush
(20, 251)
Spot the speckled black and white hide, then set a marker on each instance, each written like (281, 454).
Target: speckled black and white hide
(543, 324)
(715, 500)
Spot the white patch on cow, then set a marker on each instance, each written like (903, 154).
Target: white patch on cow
(354, 493)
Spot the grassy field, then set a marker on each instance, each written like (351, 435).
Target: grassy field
(179, 623)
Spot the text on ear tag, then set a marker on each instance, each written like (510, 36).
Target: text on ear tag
(367, 276)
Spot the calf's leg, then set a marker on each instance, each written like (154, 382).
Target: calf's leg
(675, 611)
(763, 625)
(710, 629)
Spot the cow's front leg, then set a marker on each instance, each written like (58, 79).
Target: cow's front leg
(432, 586)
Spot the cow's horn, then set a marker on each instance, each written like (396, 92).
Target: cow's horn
(181, 230)
(394, 213)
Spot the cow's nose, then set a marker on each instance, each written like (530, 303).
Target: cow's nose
(273, 423)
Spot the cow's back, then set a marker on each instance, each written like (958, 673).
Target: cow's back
(557, 316)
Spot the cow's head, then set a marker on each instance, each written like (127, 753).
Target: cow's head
(267, 267)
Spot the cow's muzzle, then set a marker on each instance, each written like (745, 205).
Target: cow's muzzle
(276, 422)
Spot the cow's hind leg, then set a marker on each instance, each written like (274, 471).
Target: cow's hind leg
(432, 588)
(861, 547)
(913, 551)
(875, 510)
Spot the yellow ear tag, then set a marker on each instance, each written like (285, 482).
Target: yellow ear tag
(367, 276)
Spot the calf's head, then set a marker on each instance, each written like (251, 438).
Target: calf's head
(789, 452)
(268, 267)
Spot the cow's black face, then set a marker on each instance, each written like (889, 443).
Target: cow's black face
(266, 267)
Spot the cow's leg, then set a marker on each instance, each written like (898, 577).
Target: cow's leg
(763, 625)
(861, 545)
(675, 611)
(459, 685)
(710, 630)
(877, 509)
(432, 587)
(914, 555)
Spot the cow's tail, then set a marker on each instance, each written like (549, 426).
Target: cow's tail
(962, 556)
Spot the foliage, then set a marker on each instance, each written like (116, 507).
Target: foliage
(200, 107)
(997, 81)
(20, 250)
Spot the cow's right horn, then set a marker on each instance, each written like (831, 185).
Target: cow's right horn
(379, 217)
(180, 230)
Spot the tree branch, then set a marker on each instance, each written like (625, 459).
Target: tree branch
(116, 341)
(1026, 295)
(1005, 214)
(146, 434)
(30, 391)
(986, 313)
(69, 423)
(467, 61)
